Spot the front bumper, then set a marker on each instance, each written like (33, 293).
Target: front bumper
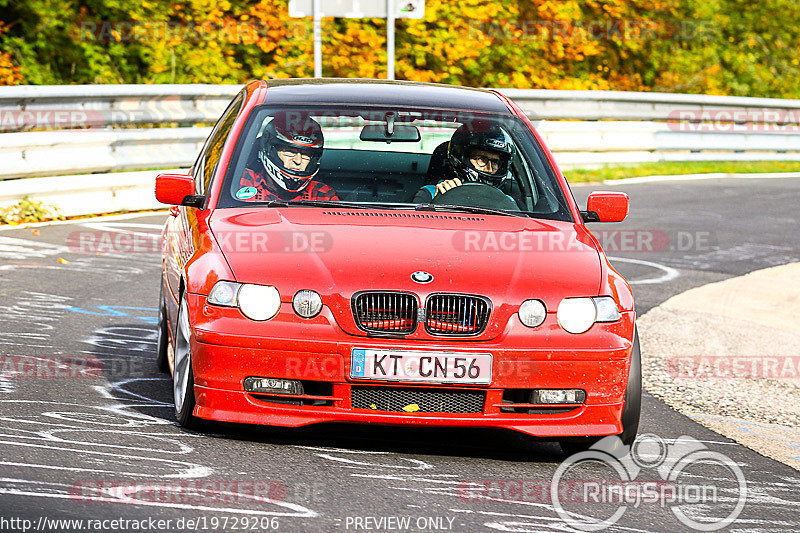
(550, 359)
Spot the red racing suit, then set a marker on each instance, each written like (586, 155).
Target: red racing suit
(315, 190)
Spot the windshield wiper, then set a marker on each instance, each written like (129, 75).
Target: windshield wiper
(332, 204)
(316, 203)
(396, 206)
(468, 209)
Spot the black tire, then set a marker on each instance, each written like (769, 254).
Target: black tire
(183, 391)
(162, 340)
(633, 396)
(630, 413)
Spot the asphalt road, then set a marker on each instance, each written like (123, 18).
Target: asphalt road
(87, 430)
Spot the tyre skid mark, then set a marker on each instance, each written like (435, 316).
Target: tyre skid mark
(187, 470)
(107, 440)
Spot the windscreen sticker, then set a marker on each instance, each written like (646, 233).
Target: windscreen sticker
(246, 192)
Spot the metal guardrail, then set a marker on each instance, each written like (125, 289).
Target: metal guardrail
(110, 105)
(623, 105)
(582, 128)
(61, 106)
(582, 144)
(51, 153)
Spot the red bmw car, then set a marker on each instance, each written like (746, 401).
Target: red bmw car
(374, 252)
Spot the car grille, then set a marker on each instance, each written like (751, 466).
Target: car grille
(456, 314)
(391, 312)
(410, 399)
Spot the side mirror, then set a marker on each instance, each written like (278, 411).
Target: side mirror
(177, 189)
(606, 207)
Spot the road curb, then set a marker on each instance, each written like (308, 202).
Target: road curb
(98, 218)
(726, 354)
(708, 176)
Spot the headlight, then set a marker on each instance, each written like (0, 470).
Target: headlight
(307, 303)
(259, 302)
(606, 309)
(532, 313)
(224, 293)
(576, 315)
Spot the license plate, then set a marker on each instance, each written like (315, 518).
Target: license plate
(408, 365)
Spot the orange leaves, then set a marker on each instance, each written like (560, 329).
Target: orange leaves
(10, 74)
(672, 45)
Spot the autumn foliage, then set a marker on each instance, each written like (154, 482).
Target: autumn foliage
(722, 47)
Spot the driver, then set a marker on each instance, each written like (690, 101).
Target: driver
(289, 152)
(472, 156)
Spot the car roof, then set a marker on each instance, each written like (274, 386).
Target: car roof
(365, 92)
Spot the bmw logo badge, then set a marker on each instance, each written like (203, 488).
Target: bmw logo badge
(420, 276)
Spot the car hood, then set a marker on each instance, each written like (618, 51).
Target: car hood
(338, 252)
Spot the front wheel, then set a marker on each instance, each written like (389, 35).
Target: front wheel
(630, 413)
(162, 340)
(182, 376)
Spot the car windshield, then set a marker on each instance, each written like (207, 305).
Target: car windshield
(350, 157)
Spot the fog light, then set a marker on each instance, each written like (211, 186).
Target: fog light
(532, 313)
(558, 396)
(273, 386)
(307, 303)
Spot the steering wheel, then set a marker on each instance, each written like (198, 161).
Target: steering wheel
(475, 194)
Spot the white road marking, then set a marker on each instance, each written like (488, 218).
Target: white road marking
(668, 273)
(419, 465)
(189, 470)
(120, 227)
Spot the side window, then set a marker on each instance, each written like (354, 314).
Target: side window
(206, 164)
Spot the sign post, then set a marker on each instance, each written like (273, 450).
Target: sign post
(388, 9)
(317, 11)
(389, 39)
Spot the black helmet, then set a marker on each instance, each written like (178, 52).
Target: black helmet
(488, 137)
(296, 131)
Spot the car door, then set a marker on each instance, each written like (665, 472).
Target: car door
(183, 233)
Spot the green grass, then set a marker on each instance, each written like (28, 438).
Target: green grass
(613, 172)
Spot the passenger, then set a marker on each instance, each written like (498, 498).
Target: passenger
(472, 156)
(289, 153)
